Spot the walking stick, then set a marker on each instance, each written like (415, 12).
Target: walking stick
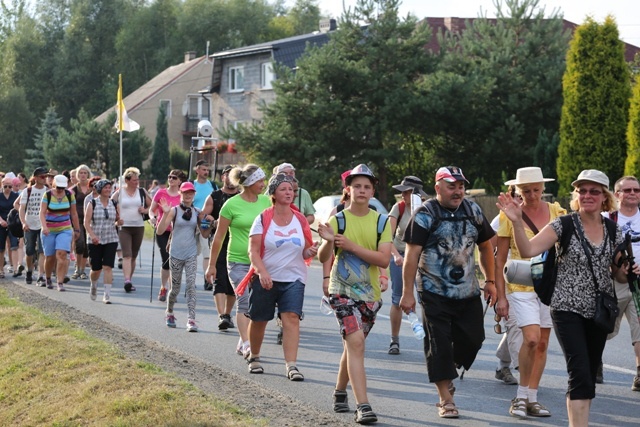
(153, 258)
(632, 278)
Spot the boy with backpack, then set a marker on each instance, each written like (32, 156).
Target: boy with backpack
(354, 288)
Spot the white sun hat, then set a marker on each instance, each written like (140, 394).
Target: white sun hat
(529, 175)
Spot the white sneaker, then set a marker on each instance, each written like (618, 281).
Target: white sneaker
(106, 299)
(191, 326)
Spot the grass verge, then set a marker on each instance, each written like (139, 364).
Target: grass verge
(57, 375)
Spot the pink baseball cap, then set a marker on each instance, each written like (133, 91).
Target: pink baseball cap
(450, 174)
(187, 186)
(344, 176)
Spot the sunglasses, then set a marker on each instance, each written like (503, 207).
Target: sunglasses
(106, 213)
(591, 191)
(629, 190)
(7, 186)
(497, 328)
(172, 177)
(187, 214)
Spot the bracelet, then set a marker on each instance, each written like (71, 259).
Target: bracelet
(326, 277)
(490, 281)
(382, 276)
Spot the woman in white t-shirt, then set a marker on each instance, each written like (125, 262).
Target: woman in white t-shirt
(280, 242)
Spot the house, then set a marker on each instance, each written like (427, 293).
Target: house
(182, 89)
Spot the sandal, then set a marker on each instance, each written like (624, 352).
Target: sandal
(294, 374)
(535, 409)
(254, 365)
(394, 348)
(447, 410)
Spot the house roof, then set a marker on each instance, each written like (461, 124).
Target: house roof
(154, 86)
(284, 51)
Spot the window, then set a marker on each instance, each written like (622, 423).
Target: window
(165, 104)
(236, 79)
(266, 75)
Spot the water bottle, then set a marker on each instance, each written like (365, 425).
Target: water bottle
(416, 326)
(204, 224)
(325, 306)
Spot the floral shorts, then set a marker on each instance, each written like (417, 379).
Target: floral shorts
(354, 315)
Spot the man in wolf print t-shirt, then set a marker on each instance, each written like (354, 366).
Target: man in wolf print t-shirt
(441, 238)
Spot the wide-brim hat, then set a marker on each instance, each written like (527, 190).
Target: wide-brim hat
(411, 183)
(592, 175)
(529, 175)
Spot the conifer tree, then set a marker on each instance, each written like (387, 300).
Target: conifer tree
(632, 165)
(49, 126)
(160, 159)
(596, 96)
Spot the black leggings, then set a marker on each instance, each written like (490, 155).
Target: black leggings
(162, 240)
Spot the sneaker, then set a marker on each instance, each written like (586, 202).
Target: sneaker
(505, 375)
(20, 268)
(61, 287)
(162, 295)
(66, 279)
(340, 401)
(127, 286)
(636, 383)
(29, 278)
(75, 276)
(133, 288)
(246, 352)
(239, 348)
(519, 407)
(231, 325)
(83, 276)
(93, 292)
(171, 320)
(223, 323)
(49, 284)
(599, 375)
(106, 299)
(41, 282)
(16, 274)
(10, 270)
(365, 415)
(191, 326)
(535, 409)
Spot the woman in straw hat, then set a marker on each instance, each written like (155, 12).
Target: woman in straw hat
(532, 317)
(573, 303)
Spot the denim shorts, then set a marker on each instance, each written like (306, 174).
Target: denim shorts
(60, 241)
(288, 296)
(32, 241)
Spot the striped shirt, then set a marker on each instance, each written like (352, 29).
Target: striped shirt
(58, 216)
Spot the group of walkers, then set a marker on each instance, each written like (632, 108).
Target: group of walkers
(261, 246)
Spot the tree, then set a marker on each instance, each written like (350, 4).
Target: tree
(596, 102)
(160, 161)
(15, 122)
(632, 164)
(354, 96)
(49, 126)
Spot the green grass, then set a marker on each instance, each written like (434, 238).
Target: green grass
(54, 374)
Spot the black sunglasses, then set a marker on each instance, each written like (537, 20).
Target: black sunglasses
(172, 177)
(187, 214)
(7, 186)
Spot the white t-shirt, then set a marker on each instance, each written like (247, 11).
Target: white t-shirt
(129, 206)
(32, 213)
(629, 225)
(283, 247)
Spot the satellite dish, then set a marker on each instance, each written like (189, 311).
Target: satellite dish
(204, 128)
(185, 108)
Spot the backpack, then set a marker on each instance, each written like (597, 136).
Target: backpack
(342, 225)
(145, 216)
(14, 225)
(66, 193)
(115, 205)
(544, 267)
(434, 210)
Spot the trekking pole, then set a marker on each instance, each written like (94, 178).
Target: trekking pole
(153, 258)
(632, 278)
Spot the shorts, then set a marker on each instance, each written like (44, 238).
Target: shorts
(395, 271)
(353, 315)
(529, 310)
(162, 240)
(102, 255)
(32, 242)
(204, 246)
(288, 296)
(628, 308)
(60, 241)
(13, 241)
(81, 242)
(222, 285)
(130, 241)
(237, 271)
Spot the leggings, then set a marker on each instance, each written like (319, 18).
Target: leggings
(190, 266)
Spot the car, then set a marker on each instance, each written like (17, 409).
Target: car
(325, 204)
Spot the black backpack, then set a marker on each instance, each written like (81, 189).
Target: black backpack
(14, 225)
(434, 210)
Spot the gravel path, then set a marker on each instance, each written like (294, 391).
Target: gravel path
(257, 400)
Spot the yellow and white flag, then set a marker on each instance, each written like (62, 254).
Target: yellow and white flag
(123, 122)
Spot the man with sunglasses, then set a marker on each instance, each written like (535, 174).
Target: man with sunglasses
(30, 202)
(627, 192)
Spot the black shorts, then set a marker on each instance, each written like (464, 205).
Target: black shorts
(162, 240)
(102, 255)
(455, 333)
(222, 285)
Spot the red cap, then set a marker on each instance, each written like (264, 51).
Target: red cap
(187, 186)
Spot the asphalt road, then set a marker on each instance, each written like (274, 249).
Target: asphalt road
(398, 386)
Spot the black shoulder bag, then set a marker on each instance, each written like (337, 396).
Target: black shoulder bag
(607, 310)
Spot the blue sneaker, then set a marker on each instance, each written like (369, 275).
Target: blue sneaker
(171, 320)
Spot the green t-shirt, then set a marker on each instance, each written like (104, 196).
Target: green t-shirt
(304, 203)
(241, 214)
(350, 275)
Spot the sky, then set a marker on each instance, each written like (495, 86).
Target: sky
(626, 12)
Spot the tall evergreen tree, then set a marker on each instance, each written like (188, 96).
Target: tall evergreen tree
(160, 161)
(49, 126)
(596, 94)
(632, 165)
(16, 125)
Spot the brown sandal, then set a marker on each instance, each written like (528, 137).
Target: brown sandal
(447, 410)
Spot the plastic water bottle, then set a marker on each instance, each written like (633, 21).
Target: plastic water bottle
(325, 306)
(416, 326)
(204, 224)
